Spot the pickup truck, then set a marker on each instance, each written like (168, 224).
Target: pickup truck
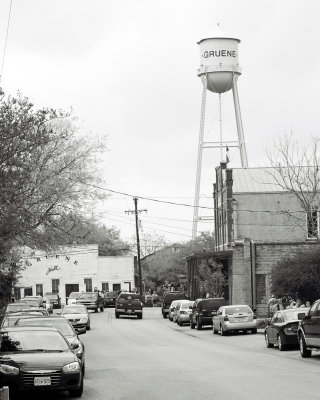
(92, 300)
(128, 304)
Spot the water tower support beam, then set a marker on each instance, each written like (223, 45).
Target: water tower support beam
(199, 161)
(242, 144)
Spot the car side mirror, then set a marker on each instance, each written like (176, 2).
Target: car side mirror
(74, 345)
(301, 316)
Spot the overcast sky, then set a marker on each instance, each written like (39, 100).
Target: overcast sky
(128, 69)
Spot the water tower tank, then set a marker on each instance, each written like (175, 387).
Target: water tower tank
(219, 60)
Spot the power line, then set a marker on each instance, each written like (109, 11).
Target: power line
(6, 40)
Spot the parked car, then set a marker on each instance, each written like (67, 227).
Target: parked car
(12, 318)
(63, 326)
(168, 298)
(174, 307)
(309, 330)
(234, 318)
(16, 307)
(37, 359)
(203, 310)
(78, 316)
(110, 299)
(183, 312)
(283, 327)
(92, 300)
(33, 301)
(54, 299)
(128, 304)
(73, 297)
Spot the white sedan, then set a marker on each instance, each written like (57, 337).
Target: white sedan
(234, 318)
(78, 316)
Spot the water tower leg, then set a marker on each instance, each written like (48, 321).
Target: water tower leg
(199, 162)
(242, 144)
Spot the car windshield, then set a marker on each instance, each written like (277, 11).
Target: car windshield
(32, 302)
(186, 305)
(212, 303)
(74, 310)
(87, 295)
(291, 315)
(129, 296)
(61, 324)
(74, 295)
(12, 319)
(32, 341)
(17, 307)
(237, 310)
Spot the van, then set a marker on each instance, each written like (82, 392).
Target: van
(168, 298)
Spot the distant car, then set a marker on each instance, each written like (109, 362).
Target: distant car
(78, 316)
(128, 304)
(172, 308)
(110, 299)
(309, 330)
(283, 327)
(234, 318)
(204, 309)
(177, 304)
(12, 318)
(92, 300)
(54, 299)
(183, 313)
(168, 298)
(63, 326)
(17, 307)
(73, 297)
(37, 359)
(33, 301)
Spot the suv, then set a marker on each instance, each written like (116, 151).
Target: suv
(168, 298)
(92, 300)
(110, 299)
(128, 304)
(309, 330)
(54, 298)
(204, 309)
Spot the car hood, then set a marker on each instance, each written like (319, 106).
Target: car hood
(28, 360)
(75, 316)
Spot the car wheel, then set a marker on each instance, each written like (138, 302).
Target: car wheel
(222, 331)
(214, 331)
(139, 316)
(164, 316)
(77, 392)
(254, 331)
(199, 326)
(268, 344)
(116, 315)
(192, 325)
(102, 309)
(281, 345)
(305, 353)
(96, 309)
(88, 327)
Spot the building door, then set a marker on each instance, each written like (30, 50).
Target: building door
(71, 287)
(116, 287)
(28, 291)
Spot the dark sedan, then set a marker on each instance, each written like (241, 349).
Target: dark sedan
(282, 328)
(38, 359)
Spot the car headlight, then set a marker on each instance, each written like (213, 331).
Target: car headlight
(79, 350)
(9, 369)
(71, 368)
(83, 320)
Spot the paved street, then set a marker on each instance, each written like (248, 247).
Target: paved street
(155, 359)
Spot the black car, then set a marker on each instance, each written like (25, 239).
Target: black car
(38, 359)
(128, 304)
(168, 298)
(54, 298)
(204, 309)
(63, 326)
(110, 299)
(283, 327)
(309, 330)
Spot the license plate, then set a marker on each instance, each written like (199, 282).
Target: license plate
(42, 381)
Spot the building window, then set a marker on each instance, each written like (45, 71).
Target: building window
(313, 224)
(116, 287)
(105, 286)
(39, 289)
(88, 283)
(28, 291)
(261, 288)
(55, 285)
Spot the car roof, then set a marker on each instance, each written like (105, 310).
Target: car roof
(236, 305)
(29, 328)
(295, 309)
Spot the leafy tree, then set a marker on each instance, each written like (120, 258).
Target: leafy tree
(212, 279)
(298, 276)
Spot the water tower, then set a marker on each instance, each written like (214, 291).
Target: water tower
(219, 71)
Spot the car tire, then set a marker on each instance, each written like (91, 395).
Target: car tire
(102, 309)
(222, 331)
(280, 341)
(77, 392)
(192, 325)
(214, 331)
(139, 316)
(199, 326)
(164, 316)
(305, 353)
(88, 327)
(268, 344)
(254, 331)
(116, 314)
(96, 309)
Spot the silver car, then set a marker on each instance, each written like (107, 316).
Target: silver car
(234, 318)
(183, 313)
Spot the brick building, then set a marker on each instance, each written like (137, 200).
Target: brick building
(257, 222)
(77, 268)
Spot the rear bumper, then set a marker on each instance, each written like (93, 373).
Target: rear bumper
(239, 326)
(128, 311)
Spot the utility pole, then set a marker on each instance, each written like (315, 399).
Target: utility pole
(136, 212)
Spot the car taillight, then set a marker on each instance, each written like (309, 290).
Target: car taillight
(226, 318)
